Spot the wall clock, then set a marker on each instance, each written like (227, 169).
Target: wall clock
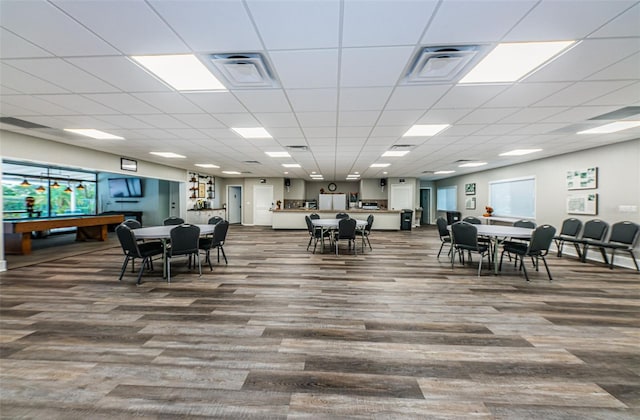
(332, 187)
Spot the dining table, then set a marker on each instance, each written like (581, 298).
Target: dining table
(332, 224)
(497, 234)
(163, 233)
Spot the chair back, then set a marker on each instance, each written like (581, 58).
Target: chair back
(184, 239)
(342, 216)
(313, 216)
(214, 220)
(369, 223)
(571, 227)
(309, 224)
(541, 240)
(441, 222)
(128, 240)
(473, 220)
(524, 224)
(220, 233)
(132, 224)
(173, 220)
(465, 235)
(347, 228)
(595, 230)
(624, 233)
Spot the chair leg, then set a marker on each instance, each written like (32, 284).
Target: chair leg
(440, 250)
(169, 270)
(584, 252)
(630, 251)
(500, 265)
(221, 248)
(544, 260)
(124, 266)
(309, 244)
(480, 264)
(613, 254)
(208, 259)
(578, 251)
(199, 265)
(524, 268)
(604, 256)
(139, 279)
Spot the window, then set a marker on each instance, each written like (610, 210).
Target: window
(447, 198)
(513, 197)
(47, 192)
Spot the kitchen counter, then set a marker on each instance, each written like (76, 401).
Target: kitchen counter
(202, 216)
(294, 218)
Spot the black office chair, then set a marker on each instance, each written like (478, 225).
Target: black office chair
(172, 220)
(313, 216)
(473, 220)
(624, 236)
(483, 240)
(132, 224)
(132, 250)
(465, 238)
(445, 237)
(342, 216)
(570, 230)
(366, 232)
(538, 247)
(215, 242)
(346, 230)
(184, 242)
(214, 220)
(594, 230)
(523, 223)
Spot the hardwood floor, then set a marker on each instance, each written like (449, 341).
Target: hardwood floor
(283, 333)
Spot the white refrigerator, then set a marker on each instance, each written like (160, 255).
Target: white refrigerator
(332, 202)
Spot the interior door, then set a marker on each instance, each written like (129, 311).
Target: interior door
(262, 203)
(425, 203)
(234, 203)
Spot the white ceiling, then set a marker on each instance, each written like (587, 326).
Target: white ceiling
(340, 67)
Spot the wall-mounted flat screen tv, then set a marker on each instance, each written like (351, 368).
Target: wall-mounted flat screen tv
(125, 187)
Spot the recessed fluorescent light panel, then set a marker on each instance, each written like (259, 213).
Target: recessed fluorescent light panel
(207, 165)
(472, 164)
(379, 165)
(252, 132)
(395, 153)
(170, 155)
(419, 130)
(278, 154)
(520, 152)
(443, 172)
(511, 61)
(291, 165)
(611, 128)
(94, 134)
(231, 172)
(182, 72)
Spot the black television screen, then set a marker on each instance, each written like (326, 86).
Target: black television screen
(125, 187)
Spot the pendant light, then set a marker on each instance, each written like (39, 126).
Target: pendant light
(68, 190)
(55, 185)
(41, 189)
(80, 187)
(25, 183)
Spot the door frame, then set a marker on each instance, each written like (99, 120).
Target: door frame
(426, 209)
(228, 208)
(255, 202)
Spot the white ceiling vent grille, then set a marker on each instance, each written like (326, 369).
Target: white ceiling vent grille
(402, 147)
(245, 71)
(440, 64)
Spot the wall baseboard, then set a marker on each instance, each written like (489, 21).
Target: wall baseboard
(621, 260)
(3, 265)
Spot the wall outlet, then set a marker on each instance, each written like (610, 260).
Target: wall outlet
(628, 209)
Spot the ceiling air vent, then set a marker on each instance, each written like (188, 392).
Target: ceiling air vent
(298, 148)
(252, 162)
(20, 123)
(245, 71)
(402, 146)
(440, 64)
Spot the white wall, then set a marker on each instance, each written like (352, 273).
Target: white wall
(618, 184)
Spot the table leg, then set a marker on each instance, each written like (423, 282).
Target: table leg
(164, 258)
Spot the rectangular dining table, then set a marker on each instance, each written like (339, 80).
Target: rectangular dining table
(332, 224)
(164, 233)
(498, 234)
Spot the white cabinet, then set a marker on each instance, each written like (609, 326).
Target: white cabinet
(332, 202)
(201, 217)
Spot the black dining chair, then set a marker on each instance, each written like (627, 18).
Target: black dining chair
(366, 232)
(184, 242)
(342, 216)
(133, 249)
(314, 216)
(173, 220)
(481, 239)
(570, 230)
(346, 230)
(624, 236)
(473, 220)
(594, 230)
(537, 247)
(465, 238)
(445, 236)
(315, 234)
(132, 223)
(215, 242)
(214, 220)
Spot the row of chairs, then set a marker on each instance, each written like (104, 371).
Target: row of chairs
(184, 240)
(623, 238)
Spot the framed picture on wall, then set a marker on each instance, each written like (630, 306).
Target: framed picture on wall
(128, 165)
(470, 189)
(202, 190)
(470, 203)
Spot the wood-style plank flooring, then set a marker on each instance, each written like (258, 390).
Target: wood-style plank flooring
(283, 333)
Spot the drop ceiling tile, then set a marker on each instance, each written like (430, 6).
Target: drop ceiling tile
(160, 121)
(443, 116)
(311, 132)
(199, 120)
(237, 119)
(317, 119)
(627, 68)
(357, 118)
(62, 74)
(525, 94)
(120, 72)
(37, 106)
(530, 115)
(416, 97)
(623, 25)
(281, 23)
(389, 131)
(373, 23)
(407, 117)
(462, 130)
(276, 119)
(564, 20)
(363, 99)
(306, 69)
(131, 27)
(471, 22)
(628, 95)
(270, 100)
(12, 46)
(45, 26)
(289, 135)
(214, 26)
(124, 121)
(77, 103)
(169, 102)
(25, 83)
(498, 129)
(187, 133)
(381, 66)
(12, 110)
(486, 115)
(469, 95)
(308, 100)
(540, 128)
(353, 131)
(123, 103)
(582, 113)
(582, 92)
(216, 102)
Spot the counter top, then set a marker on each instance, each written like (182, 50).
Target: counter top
(303, 210)
(207, 209)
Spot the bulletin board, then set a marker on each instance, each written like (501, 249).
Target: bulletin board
(582, 179)
(582, 204)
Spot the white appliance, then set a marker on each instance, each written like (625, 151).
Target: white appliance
(332, 202)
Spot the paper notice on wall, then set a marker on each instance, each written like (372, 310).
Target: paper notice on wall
(582, 204)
